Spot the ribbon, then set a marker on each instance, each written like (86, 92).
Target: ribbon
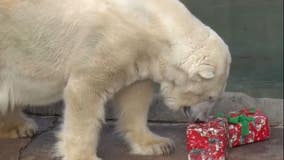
(244, 121)
(220, 114)
(252, 110)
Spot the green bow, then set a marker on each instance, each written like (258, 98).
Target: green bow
(220, 114)
(243, 120)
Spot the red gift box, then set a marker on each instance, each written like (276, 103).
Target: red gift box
(208, 141)
(257, 127)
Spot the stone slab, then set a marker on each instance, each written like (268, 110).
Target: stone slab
(10, 148)
(112, 147)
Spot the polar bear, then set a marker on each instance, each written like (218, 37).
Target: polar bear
(89, 51)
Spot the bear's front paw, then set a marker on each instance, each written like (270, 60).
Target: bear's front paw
(154, 146)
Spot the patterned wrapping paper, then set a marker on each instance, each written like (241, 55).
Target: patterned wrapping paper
(208, 141)
(257, 130)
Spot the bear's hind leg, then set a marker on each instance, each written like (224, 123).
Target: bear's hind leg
(133, 104)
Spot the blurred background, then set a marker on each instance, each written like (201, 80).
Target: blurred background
(253, 31)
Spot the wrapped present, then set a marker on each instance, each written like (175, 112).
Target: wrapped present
(208, 141)
(247, 126)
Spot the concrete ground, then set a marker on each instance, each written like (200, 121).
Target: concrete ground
(112, 146)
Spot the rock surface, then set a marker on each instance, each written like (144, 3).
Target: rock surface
(112, 147)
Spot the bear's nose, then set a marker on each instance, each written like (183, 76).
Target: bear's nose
(187, 111)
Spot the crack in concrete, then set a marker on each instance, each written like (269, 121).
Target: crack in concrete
(23, 148)
(51, 127)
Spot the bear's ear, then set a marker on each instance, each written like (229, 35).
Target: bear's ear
(206, 71)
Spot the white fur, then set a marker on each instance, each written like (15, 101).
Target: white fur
(88, 51)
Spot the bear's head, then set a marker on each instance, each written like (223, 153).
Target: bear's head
(196, 76)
